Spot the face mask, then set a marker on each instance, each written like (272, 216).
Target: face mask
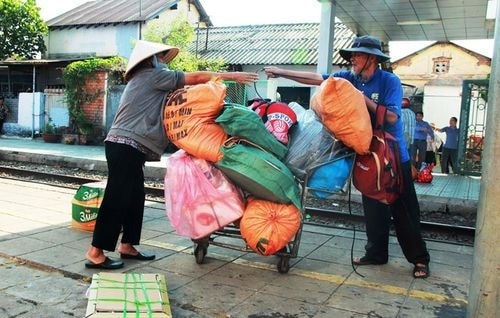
(156, 64)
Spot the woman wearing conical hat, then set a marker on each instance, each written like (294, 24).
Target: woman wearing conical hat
(137, 136)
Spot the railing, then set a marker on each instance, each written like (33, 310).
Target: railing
(472, 126)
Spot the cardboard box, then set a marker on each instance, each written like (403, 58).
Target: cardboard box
(86, 204)
(128, 295)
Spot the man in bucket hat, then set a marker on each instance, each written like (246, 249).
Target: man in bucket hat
(384, 88)
(137, 136)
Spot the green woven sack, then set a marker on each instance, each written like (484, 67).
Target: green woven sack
(258, 172)
(239, 121)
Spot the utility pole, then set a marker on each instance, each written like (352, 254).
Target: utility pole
(484, 288)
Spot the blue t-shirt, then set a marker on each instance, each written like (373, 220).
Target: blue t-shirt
(451, 137)
(422, 129)
(383, 88)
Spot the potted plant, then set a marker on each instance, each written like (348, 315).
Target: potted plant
(69, 137)
(51, 132)
(86, 132)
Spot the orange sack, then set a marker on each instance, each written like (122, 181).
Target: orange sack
(342, 109)
(189, 119)
(267, 226)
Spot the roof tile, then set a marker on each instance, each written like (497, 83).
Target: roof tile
(111, 11)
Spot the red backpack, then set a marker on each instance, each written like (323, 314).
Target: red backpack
(377, 174)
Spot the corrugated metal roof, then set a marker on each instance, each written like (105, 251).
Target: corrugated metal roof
(111, 11)
(294, 44)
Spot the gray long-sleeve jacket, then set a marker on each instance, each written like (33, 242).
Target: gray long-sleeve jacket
(140, 114)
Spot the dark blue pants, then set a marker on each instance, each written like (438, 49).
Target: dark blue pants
(122, 206)
(405, 213)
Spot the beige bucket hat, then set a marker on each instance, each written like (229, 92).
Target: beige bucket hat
(144, 49)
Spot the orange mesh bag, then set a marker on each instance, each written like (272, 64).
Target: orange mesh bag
(189, 119)
(267, 226)
(342, 109)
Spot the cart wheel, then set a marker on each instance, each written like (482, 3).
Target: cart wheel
(283, 265)
(200, 251)
(284, 250)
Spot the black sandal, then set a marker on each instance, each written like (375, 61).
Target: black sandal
(424, 268)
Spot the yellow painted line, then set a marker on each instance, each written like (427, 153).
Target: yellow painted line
(167, 246)
(380, 287)
(336, 279)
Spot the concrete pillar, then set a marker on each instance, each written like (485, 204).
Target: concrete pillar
(484, 296)
(326, 36)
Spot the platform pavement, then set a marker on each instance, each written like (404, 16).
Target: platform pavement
(42, 257)
(43, 273)
(455, 193)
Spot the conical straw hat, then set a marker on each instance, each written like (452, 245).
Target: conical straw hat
(145, 49)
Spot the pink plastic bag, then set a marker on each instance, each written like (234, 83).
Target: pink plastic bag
(199, 199)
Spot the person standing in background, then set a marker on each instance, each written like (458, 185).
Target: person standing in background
(419, 148)
(409, 121)
(433, 146)
(450, 148)
(4, 111)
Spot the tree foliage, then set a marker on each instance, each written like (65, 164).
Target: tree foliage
(180, 34)
(21, 29)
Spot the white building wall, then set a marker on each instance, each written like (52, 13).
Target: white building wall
(441, 103)
(99, 41)
(30, 111)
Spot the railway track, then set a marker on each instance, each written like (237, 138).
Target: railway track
(316, 216)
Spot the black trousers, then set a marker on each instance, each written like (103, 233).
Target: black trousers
(418, 150)
(122, 206)
(430, 157)
(405, 213)
(448, 158)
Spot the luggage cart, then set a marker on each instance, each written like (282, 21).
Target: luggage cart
(291, 249)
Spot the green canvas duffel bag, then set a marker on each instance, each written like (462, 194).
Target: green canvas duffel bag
(258, 172)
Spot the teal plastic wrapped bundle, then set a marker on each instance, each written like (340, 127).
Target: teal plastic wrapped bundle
(258, 172)
(239, 121)
(331, 177)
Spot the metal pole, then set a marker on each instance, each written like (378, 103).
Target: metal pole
(33, 104)
(485, 279)
(326, 36)
(197, 38)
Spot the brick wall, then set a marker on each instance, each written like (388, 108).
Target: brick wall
(94, 110)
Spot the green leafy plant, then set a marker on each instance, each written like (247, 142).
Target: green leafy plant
(75, 75)
(51, 132)
(50, 128)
